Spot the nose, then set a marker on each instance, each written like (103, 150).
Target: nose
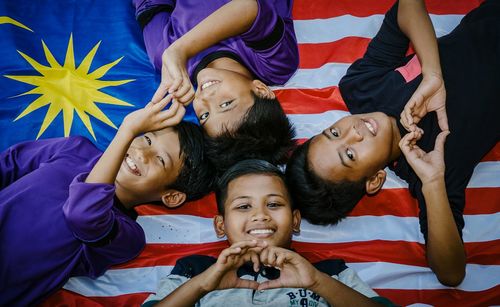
(143, 154)
(260, 214)
(354, 135)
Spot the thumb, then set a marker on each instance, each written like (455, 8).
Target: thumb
(440, 140)
(442, 118)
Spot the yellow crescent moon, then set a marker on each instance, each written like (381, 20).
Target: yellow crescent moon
(5, 19)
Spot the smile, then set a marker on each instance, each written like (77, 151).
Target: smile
(208, 84)
(371, 125)
(132, 166)
(261, 233)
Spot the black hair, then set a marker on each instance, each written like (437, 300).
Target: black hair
(320, 201)
(242, 168)
(263, 133)
(196, 177)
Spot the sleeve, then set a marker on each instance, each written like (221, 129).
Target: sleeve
(349, 278)
(165, 286)
(272, 37)
(23, 158)
(110, 236)
(372, 83)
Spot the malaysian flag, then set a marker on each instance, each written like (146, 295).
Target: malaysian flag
(380, 239)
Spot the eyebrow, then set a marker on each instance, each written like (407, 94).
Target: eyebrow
(326, 134)
(338, 151)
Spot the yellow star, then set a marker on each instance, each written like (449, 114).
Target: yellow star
(68, 89)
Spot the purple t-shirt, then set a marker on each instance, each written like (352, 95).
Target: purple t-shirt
(268, 49)
(53, 224)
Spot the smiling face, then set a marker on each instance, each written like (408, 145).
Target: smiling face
(258, 207)
(152, 163)
(355, 147)
(222, 98)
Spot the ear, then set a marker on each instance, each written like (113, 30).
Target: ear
(173, 198)
(375, 182)
(219, 226)
(296, 218)
(262, 90)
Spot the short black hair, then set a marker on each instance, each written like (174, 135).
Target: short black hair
(196, 177)
(263, 133)
(320, 201)
(242, 168)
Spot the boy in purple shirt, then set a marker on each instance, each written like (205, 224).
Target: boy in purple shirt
(66, 208)
(232, 50)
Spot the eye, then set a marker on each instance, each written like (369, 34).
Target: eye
(243, 206)
(274, 205)
(204, 116)
(226, 104)
(148, 140)
(161, 160)
(334, 132)
(349, 154)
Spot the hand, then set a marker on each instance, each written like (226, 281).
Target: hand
(430, 166)
(429, 96)
(222, 275)
(295, 271)
(152, 117)
(174, 77)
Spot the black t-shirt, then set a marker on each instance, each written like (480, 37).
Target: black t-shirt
(470, 62)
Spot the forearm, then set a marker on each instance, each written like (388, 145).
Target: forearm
(445, 250)
(187, 294)
(232, 19)
(338, 294)
(415, 23)
(107, 167)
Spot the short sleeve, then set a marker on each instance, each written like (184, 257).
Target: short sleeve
(165, 286)
(349, 278)
(267, 28)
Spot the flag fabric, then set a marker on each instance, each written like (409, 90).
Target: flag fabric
(55, 81)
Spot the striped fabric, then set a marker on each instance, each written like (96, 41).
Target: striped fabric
(380, 239)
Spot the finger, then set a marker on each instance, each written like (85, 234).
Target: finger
(440, 141)
(161, 91)
(188, 97)
(255, 260)
(280, 260)
(271, 257)
(270, 284)
(442, 119)
(160, 105)
(170, 112)
(177, 118)
(184, 87)
(263, 256)
(176, 83)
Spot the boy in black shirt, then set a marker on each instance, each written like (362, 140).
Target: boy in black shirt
(392, 93)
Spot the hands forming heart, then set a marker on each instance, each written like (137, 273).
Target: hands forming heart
(295, 271)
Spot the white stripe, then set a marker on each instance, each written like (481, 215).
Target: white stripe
(379, 275)
(383, 275)
(478, 228)
(314, 31)
(308, 125)
(486, 174)
(119, 281)
(178, 229)
(327, 75)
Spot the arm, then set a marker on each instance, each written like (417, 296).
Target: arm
(445, 251)
(150, 118)
(415, 23)
(231, 19)
(221, 275)
(297, 272)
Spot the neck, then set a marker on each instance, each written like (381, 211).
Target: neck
(396, 137)
(230, 64)
(126, 199)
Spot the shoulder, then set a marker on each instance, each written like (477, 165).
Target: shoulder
(331, 266)
(193, 265)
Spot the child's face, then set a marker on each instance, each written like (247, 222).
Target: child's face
(258, 208)
(151, 164)
(223, 97)
(354, 147)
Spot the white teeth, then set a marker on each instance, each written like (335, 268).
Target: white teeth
(260, 231)
(208, 84)
(131, 163)
(370, 127)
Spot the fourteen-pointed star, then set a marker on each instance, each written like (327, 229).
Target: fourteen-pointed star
(68, 88)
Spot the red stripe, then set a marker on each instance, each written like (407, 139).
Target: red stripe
(346, 50)
(68, 298)
(311, 101)
(306, 9)
(443, 297)
(205, 207)
(409, 253)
